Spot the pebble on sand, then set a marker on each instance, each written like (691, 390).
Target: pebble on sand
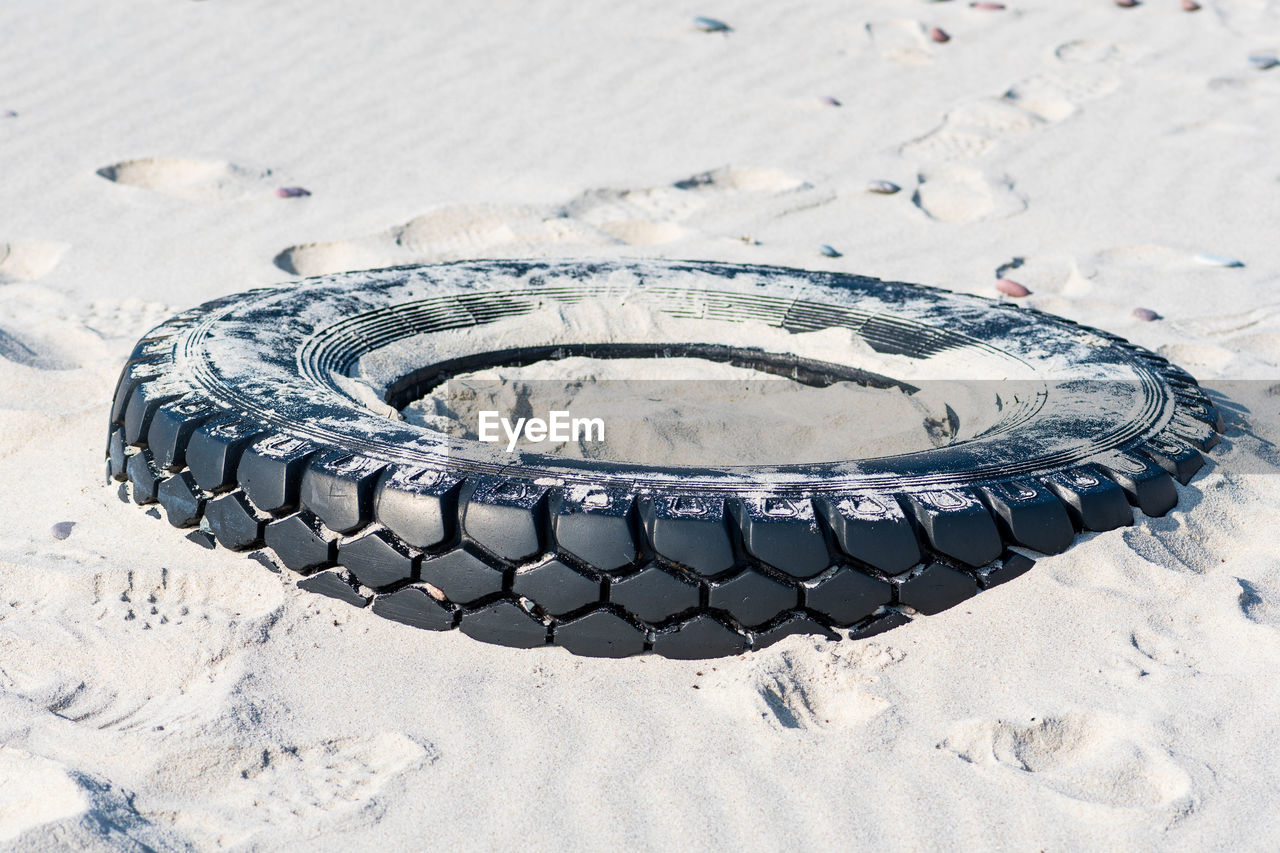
(1264, 61)
(939, 35)
(832, 101)
(1127, 4)
(830, 251)
(62, 529)
(1009, 287)
(883, 187)
(1211, 260)
(292, 192)
(987, 7)
(711, 25)
(1146, 315)
(1190, 6)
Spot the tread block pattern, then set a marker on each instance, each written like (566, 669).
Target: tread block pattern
(172, 427)
(873, 530)
(752, 598)
(600, 634)
(784, 533)
(145, 401)
(703, 636)
(415, 606)
(1010, 565)
(1093, 501)
(1177, 457)
(214, 450)
(1029, 514)
(234, 522)
(302, 542)
(1145, 484)
(879, 624)
(338, 488)
(789, 625)
(957, 525)
(595, 526)
(334, 585)
(462, 576)
(846, 595)
(691, 531)
(117, 458)
(417, 505)
(270, 472)
(182, 499)
(654, 594)
(377, 559)
(935, 588)
(505, 518)
(505, 623)
(144, 477)
(557, 588)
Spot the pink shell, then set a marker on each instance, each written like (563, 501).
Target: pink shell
(939, 35)
(1009, 287)
(831, 101)
(1190, 6)
(1146, 315)
(1127, 4)
(292, 192)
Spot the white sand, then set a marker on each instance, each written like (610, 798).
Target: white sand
(155, 693)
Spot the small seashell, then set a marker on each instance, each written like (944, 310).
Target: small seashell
(62, 529)
(1211, 260)
(832, 101)
(292, 192)
(711, 25)
(939, 35)
(1264, 61)
(1146, 315)
(1127, 4)
(9, 113)
(1190, 6)
(1009, 287)
(883, 187)
(987, 7)
(830, 252)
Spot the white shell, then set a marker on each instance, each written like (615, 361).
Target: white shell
(1211, 260)
(830, 251)
(883, 187)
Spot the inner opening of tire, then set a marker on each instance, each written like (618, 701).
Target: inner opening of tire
(687, 405)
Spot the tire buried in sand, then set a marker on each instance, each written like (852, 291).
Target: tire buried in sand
(242, 416)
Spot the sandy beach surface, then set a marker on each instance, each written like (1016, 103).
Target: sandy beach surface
(158, 695)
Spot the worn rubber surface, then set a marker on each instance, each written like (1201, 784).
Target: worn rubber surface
(236, 416)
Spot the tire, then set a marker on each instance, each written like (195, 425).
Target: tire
(234, 418)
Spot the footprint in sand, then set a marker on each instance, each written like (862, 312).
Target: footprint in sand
(1079, 755)
(822, 684)
(959, 194)
(28, 261)
(200, 180)
(259, 790)
(901, 40)
(1086, 70)
(37, 352)
(596, 218)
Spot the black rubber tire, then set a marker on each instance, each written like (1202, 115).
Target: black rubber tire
(231, 417)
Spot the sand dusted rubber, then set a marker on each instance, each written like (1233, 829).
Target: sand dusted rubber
(235, 418)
